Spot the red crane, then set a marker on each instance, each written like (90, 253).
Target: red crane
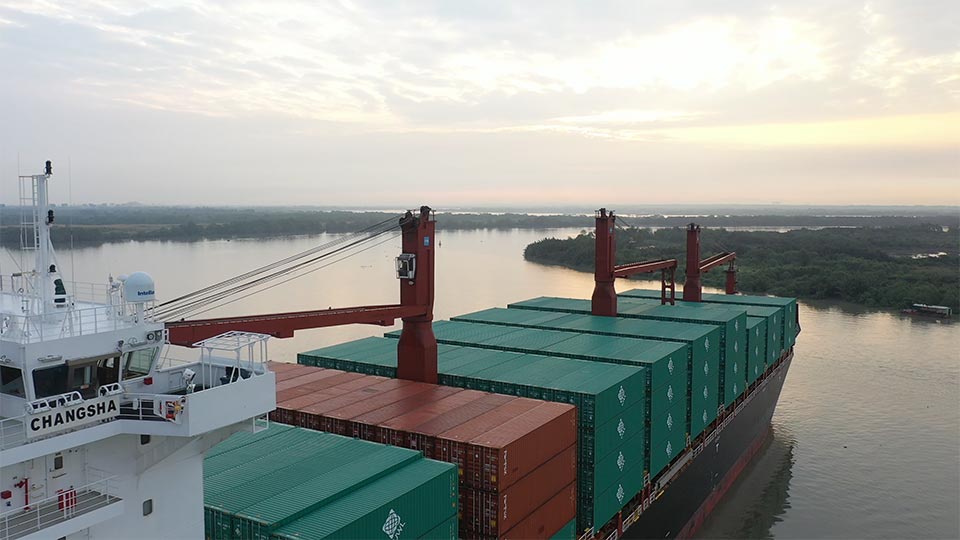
(417, 348)
(692, 287)
(606, 271)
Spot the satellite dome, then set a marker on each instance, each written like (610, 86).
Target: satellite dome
(138, 287)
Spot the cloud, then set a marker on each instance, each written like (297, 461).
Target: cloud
(594, 79)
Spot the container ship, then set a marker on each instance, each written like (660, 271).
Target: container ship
(626, 415)
(619, 416)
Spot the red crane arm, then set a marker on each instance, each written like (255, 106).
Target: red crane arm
(715, 261)
(624, 270)
(283, 325)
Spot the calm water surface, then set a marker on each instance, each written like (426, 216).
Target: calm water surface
(866, 438)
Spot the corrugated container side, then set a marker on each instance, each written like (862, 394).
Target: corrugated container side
(413, 500)
(448, 530)
(548, 519)
(756, 347)
(668, 438)
(631, 454)
(495, 513)
(611, 500)
(512, 450)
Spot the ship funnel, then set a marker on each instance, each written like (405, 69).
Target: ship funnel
(49, 168)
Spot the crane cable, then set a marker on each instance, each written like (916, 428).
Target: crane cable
(191, 305)
(291, 278)
(190, 302)
(181, 310)
(170, 304)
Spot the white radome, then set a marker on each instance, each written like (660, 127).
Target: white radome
(139, 287)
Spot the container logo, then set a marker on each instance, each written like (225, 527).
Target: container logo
(669, 421)
(620, 493)
(669, 449)
(736, 325)
(670, 365)
(393, 526)
(756, 351)
(670, 393)
(735, 368)
(622, 395)
(736, 346)
(704, 416)
(621, 461)
(757, 332)
(774, 319)
(706, 344)
(621, 428)
(735, 389)
(706, 369)
(706, 393)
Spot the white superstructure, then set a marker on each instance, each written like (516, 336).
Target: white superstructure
(102, 431)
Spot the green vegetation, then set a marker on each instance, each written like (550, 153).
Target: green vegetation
(869, 266)
(97, 224)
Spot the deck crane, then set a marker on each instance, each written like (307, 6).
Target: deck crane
(417, 347)
(692, 286)
(606, 271)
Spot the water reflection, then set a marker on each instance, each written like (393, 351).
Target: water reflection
(760, 497)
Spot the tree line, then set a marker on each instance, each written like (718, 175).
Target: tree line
(872, 266)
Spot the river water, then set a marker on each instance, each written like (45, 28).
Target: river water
(866, 437)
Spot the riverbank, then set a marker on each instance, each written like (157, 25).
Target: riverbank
(886, 267)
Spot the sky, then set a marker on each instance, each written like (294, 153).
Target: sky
(594, 103)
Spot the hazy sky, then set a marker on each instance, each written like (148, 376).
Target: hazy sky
(462, 102)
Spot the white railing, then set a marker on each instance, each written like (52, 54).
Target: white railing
(60, 507)
(69, 323)
(78, 291)
(166, 407)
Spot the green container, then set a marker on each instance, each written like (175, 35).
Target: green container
(409, 502)
(703, 360)
(568, 532)
(611, 500)
(631, 454)
(756, 347)
(788, 323)
(255, 484)
(732, 322)
(668, 438)
(448, 530)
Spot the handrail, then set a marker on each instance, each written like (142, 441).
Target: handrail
(60, 507)
(69, 323)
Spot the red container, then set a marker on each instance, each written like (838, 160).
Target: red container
(493, 513)
(547, 520)
(284, 371)
(501, 456)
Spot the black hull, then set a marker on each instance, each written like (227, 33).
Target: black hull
(699, 486)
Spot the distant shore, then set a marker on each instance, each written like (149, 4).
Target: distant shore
(885, 267)
(92, 225)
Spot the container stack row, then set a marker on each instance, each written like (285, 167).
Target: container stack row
(287, 483)
(516, 457)
(731, 322)
(771, 323)
(610, 403)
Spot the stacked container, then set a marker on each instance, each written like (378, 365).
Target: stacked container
(610, 401)
(516, 457)
(787, 323)
(291, 483)
(664, 364)
(702, 363)
(732, 322)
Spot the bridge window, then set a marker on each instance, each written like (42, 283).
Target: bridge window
(138, 363)
(11, 381)
(50, 381)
